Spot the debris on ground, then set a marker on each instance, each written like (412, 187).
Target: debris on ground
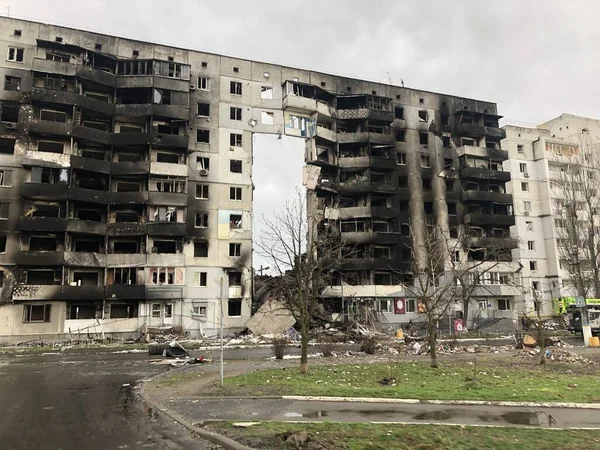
(555, 355)
(272, 317)
(171, 350)
(529, 341)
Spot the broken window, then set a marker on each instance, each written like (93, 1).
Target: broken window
(3, 244)
(423, 139)
(4, 210)
(200, 279)
(235, 165)
(235, 140)
(128, 157)
(36, 313)
(53, 116)
(235, 278)
(235, 221)
(51, 147)
(381, 252)
(82, 311)
(424, 161)
(202, 191)
(235, 193)
(86, 278)
(468, 142)
(427, 184)
(203, 109)
(204, 83)
(165, 214)
(41, 277)
(203, 136)
(126, 247)
(10, 113)
(202, 163)
(12, 83)
(201, 220)
(127, 216)
(399, 112)
(235, 88)
(42, 243)
(446, 141)
(198, 310)
(234, 307)
(235, 113)
(503, 304)
(400, 135)
(123, 311)
(60, 57)
(7, 146)
(171, 158)
(122, 275)
(43, 210)
(168, 185)
(422, 115)
(6, 177)
(267, 118)
(383, 278)
(235, 249)
(86, 245)
(451, 209)
(266, 92)
(520, 148)
(200, 249)
(164, 247)
(15, 54)
(445, 119)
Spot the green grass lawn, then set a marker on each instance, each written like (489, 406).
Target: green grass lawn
(451, 381)
(333, 436)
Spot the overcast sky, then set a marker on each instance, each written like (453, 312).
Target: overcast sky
(535, 58)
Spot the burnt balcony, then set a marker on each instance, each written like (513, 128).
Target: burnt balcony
(164, 292)
(373, 237)
(375, 138)
(357, 264)
(167, 198)
(148, 109)
(326, 134)
(487, 196)
(124, 198)
(494, 154)
(83, 293)
(44, 258)
(489, 219)
(54, 67)
(170, 140)
(382, 163)
(492, 242)
(84, 259)
(45, 191)
(50, 224)
(365, 113)
(61, 97)
(90, 164)
(166, 229)
(383, 188)
(125, 292)
(130, 168)
(86, 226)
(352, 188)
(374, 162)
(149, 81)
(326, 187)
(126, 139)
(92, 134)
(385, 211)
(88, 195)
(37, 292)
(96, 75)
(126, 229)
(49, 128)
(479, 173)
(169, 169)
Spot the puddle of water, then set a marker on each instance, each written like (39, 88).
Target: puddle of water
(315, 414)
(530, 418)
(434, 415)
(292, 414)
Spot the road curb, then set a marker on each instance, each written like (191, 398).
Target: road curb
(215, 438)
(443, 402)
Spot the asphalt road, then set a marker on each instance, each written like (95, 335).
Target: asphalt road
(87, 401)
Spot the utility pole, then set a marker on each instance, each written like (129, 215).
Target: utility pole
(221, 332)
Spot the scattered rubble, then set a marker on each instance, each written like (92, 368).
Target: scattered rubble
(555, 355)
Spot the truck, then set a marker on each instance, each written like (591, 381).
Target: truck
(565, 306)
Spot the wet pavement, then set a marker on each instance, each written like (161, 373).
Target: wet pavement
(292, 410)
(73, 402)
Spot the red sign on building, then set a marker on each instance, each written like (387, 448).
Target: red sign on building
(399, 305)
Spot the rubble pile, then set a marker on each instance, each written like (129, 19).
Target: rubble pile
(555, 354)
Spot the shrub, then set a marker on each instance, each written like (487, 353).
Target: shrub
(279, 347)
(327, 349)
(369, 345)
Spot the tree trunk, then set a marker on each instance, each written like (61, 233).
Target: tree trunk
(432, 340)
(304, 329)
(541, 335)
(465, 312)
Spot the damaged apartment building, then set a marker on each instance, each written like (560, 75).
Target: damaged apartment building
(126, 181)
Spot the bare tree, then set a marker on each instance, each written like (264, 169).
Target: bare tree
(444, 275)
(534, 318)
(303, 253)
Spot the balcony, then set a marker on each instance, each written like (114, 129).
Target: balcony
(486, 196)
(54, 67)
(126, 229)
(89, 164)
(37, 292)
(385, 211)
(170, 140)
(492, 242)
(149, 81)
(29, 258)
(166, 229)
(88, 195)
(149, 109)
(382, 163)
(61, 97)
(74, 293)
(125, 198)
(165, 259)
(495, 154)
(46, 159)
(130, 168)
(45, 191)
(383, 188)
(477, 173)
(354, 187)
(164, 292)
(167, 198)
(357, 264)
(50, 224)
(376, 138)
(86, 226)
(126, 139)
(96, 75)
(299, 103)
(326, 134)
(365, 113)
(125, 259)
(176, 170)
(373, 237)
(125, 292)
(489, 219)
(49, 128)
(92, 134)
(84, 259)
